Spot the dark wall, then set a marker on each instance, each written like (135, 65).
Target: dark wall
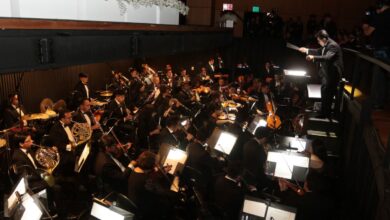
(93, 52)
(23, 50)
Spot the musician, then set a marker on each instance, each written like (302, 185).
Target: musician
(137, 87)
(167, 134)
(110, 168)
(185, 95)
(183, 78)
(150, 127)
(13, 112)
(117, 109)
(210, 66)
(148, 189)
(204, 76)
(153, 90)
(264, 97)
(330, 60)
(269, 72)
(254, 157)
(220, 86)
(23, 155)
(228, 192)
(169, 79)
(62, 137)
(81, 90)
(84, 115)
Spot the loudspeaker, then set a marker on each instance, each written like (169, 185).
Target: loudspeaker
(45, 52)
(134, 47)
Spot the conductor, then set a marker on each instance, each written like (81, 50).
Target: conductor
(330, 60)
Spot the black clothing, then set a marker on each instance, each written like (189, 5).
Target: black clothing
(330, 59)
(11, 116)
(166, 137)
(229, 197)
(111, 174)
(254, 158)
(381, 35)
(80, 92)
(59, 138)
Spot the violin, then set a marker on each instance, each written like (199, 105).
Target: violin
(202, 90)
(284, 184)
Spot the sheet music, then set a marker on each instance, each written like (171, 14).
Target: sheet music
(225, 143)
(254, 208)
(174, 157)
(83, 157)
(285, 163)
(21, 189)
(32, 210)
(278, 214)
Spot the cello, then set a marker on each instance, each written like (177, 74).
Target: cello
(273, 120)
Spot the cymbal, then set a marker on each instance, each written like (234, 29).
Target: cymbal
(3, 142)
(106, 93)
(51, 113)
(98, 103)
(37, 116)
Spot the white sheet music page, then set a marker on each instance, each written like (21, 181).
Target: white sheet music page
(278, 214)
(254, 208)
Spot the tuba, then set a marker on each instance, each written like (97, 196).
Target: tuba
(82, 132)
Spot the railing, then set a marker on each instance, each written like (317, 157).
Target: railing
(366, 175)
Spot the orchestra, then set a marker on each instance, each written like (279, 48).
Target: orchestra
(139, 112)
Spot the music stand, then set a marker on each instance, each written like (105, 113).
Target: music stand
(287, 165)
(12, 200)
(103, 210)
(173, 156)
(83, 157)
(222, 141)
(257, 122)
(258, 209)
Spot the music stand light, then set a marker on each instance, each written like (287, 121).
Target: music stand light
(298, 73)
(258, 209)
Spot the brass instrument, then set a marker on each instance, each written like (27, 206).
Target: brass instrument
(82, 132)
(47, 157)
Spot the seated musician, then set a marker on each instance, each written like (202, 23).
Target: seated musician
(13, 112)
(204, 76)
(150, 127)
(109, 166)
(61, 136)
(229, 193)
(268, 72)
(264, 97)
(185, 95)
(137, 87)
(84, 115)
(183, 78)
(254, 157)
(153, 90)
(23, 161)
(168, 134)
(169, 79)
(148, 189)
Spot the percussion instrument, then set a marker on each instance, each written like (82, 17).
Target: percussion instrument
(98, 103)
(106, 93)
(36, 116)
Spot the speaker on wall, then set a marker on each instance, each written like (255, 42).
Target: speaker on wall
(45, 51)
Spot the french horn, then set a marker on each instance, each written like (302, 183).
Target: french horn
(82, 132)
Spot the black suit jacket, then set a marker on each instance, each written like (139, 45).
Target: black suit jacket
(330, 60)
(80, 93)
(110, 173)
(229, 197)
(254, 158)
(79, 117)
(11, 116)
(114, 110)
(165, 137)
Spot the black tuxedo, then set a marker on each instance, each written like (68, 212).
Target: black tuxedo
(167, 137)
(210, 70)
(229, 197)
(59, 138)
(254, 158)
(115, 110)
(11, 116)
(330, 59)
(110, 173)
(80, 93)
(81, 118)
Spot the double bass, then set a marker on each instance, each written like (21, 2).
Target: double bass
(273, 120)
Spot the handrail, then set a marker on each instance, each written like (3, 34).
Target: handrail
(370, 59)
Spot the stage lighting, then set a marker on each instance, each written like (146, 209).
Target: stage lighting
(295, 73)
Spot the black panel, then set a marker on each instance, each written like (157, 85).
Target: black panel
(24, 50)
